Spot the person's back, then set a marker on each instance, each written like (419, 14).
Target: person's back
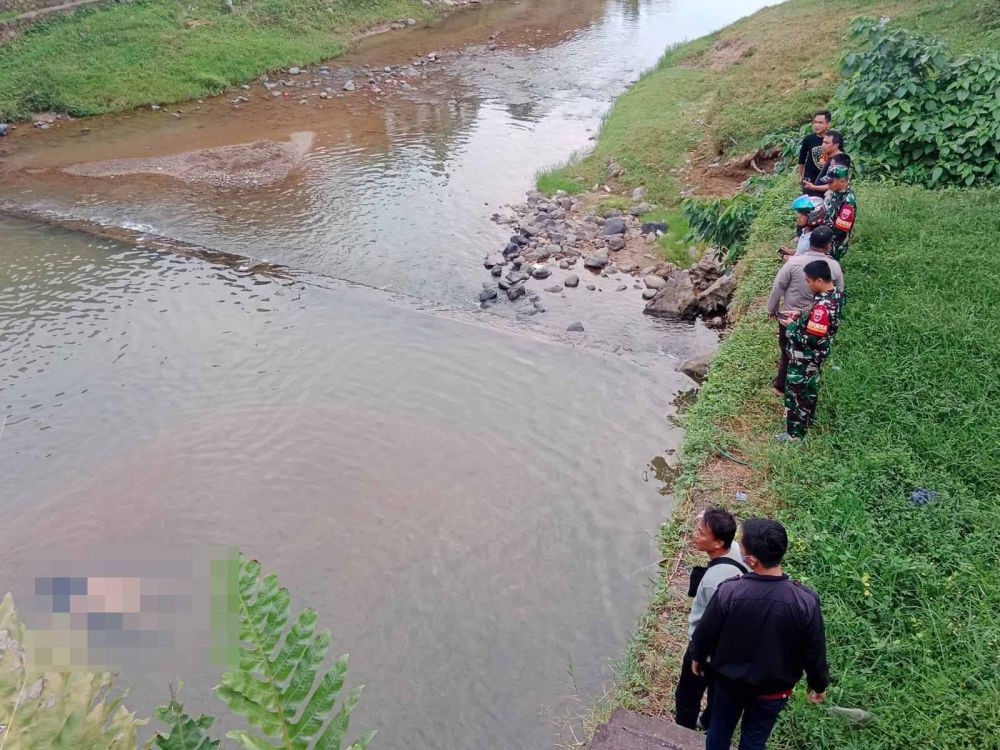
(768, 623)
(758, 635)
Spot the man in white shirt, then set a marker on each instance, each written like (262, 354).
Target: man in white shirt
(714, 534)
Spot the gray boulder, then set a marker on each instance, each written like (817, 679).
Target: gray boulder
(571, 281)
(575, 327)
(697, 367)
(648, 293)
(349, 86)
(676, 299)
(715, 299)
(616, 243)
(614, 225)
(541, 272)
(597, 260)
(639, 210)
(638, 194)
(516, 292)
(653, 281)
(487, 294)
(494, 259)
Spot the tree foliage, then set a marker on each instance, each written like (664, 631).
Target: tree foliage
(913, 111)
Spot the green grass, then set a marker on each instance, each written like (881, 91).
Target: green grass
(125, 55)
(549, 184)
(6, 15)
(910, 398)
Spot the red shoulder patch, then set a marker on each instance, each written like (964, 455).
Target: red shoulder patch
(819, 321)
(845, 218)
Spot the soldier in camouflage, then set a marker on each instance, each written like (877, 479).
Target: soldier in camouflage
(809, 337)
(841, 210)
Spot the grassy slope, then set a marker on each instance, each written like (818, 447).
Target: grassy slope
(787, 69)
(910, 397)
(130, 54)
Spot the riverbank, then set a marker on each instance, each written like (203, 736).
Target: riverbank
(125, 55)
(908, 401)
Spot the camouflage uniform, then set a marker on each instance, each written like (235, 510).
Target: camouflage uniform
(809, 338)
(841, 213)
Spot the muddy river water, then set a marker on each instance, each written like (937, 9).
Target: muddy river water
(465, 496)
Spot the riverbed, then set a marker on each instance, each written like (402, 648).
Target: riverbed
(466, 496)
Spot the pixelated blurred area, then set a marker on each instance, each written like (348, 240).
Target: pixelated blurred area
(126, 613)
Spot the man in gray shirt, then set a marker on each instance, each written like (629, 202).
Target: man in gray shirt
(713, 535)
(791, 292)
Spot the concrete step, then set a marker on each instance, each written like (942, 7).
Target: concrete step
(627, 730)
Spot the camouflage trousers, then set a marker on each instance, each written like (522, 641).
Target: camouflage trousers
(839, 251)
(801, 391)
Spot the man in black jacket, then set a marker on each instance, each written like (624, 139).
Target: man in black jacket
(811, 156)
(757, 636)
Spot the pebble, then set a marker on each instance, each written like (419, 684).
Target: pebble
(648, 293)
(653, 281)
(591, 287)
(496, 270)
(572, 281)
(487, 294)
(622, 288)
(554, 289)
(349, 86)
(541, 272)
(615, 244)
(575, 327)
(293, 71)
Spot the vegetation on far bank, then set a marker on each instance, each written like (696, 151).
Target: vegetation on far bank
(745, 87)
(909, 398)
(129, 54)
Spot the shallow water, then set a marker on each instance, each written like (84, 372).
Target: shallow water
(466, 496)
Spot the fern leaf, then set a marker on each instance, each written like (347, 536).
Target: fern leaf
(280, 687)
(185, 733)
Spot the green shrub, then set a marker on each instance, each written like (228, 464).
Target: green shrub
(916, 113)
(723, 223)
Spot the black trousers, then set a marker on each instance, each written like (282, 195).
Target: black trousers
(687, 697)
(779, 382)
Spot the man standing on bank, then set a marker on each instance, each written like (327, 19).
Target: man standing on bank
(811, 158)
(759, 633)
(791, 292)
(713, 534)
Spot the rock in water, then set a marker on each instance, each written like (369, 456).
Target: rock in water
(571, 281)
(516, 292)
(487, 294)
(497, 270)
(697, 367)
(541, 272)
(676, 299)
(575, 327)
(648, 293)
(554, 289)
(614, 226)
(493, 259)
(716, 298)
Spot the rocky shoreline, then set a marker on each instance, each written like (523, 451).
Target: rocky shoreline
(573, 233)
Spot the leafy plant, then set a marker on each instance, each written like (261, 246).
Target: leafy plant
(56, 711)
(278, 688)
(185, 733)
(724, 223)
(917, 113)
(278, 672)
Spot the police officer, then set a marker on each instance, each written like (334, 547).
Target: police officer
(809, 336)
(841, 210)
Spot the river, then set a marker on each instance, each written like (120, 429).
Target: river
(465, 496)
